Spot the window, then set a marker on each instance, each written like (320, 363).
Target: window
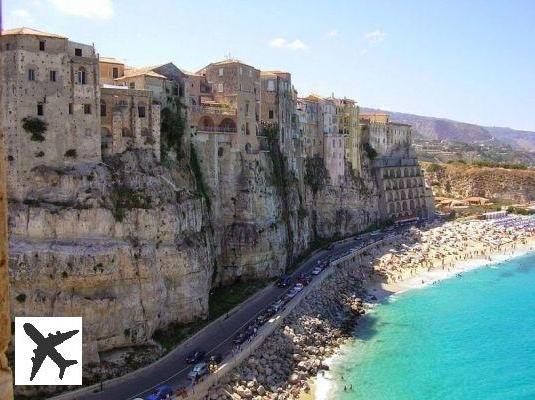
(250, 72)
(103, 112)
(246, 108)
(81, 76)
(132, 85)
(115, 72)
(270, 114)
(70, 108)
(271, 86)
(221, 70)
(220, 87)
(241, 71)
(40, 109)
(78, 52)
(52, 76)
(42, 45)
(8, 46)
(87, 108)
(141, 111)
(247, 131)
(31, 75)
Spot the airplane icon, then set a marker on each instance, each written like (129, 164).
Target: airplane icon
(46, 347)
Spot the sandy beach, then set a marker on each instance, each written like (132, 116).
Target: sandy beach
(474, 254)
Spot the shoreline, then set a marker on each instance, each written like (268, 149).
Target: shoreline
(293, 361)
(321, 386)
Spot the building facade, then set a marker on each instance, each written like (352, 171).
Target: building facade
(228, 103)
(403, 193)
(50, 98)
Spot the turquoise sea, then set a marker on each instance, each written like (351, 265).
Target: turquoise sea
(469, 337)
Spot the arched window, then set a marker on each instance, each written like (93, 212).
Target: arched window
(81, 76)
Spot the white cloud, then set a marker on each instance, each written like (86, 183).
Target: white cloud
(281, 43)
(332, 33)
(375, 36)
(297, 45)
(277, 42)
(363, 52)
(93, 9)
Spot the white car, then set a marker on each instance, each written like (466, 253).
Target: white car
(298, 287)
(316, 271)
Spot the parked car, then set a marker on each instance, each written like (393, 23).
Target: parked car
(298, 287)
(284, 281)
(198, 371)
(239, 339)
(195, 356)
(277, 306)
(161, 393)
(316, 271)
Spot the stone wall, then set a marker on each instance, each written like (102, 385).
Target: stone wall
(6, 387)
(46, 82)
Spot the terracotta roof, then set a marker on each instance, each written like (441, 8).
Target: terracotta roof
(148, 71)
(30, 31)
(110, 60)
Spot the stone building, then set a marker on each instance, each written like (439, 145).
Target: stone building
(6, 384)
(129, 119)
(333, 141)
(403, 193)
(277, 106)
(109, 70)
(49, 96)
(308, 112)
(347, 113)
(225, 99)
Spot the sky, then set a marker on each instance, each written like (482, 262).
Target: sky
(471, 60)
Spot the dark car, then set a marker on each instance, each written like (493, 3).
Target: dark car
(195, 357)
(284, 281)
(162, 393)
(239, 339)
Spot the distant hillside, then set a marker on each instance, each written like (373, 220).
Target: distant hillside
(430, 128)
(460, 181)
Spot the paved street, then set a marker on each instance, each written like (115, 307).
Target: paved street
(215, 338)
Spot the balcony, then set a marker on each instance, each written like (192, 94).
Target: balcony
(217, 129)
(213, 110)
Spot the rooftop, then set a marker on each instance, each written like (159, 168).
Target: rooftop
(110, 60)
(30, 31)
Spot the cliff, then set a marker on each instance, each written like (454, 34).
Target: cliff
(462, 180)
(133, 245)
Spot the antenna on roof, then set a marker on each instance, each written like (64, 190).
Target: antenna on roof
(228, 56)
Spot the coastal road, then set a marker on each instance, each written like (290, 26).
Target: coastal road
(214, 338)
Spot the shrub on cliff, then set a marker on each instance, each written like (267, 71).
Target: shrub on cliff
(172, 128)
(370, 151)
(315, 173)
(37, 127)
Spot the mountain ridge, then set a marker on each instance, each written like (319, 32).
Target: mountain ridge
(436, 128)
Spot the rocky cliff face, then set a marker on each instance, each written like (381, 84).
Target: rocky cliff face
(132, 245)
(125, 245)
(461, 181)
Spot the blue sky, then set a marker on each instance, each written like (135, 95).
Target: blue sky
(471, 60)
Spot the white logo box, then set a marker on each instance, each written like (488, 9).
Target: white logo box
(48, 331)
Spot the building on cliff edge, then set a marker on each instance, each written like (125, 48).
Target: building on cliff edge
(403, 193)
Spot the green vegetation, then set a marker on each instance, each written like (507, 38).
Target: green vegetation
(221, 301)
(315, 173)
(21, 298)
(196, 168)
(71, 153)
(370, 151)
(36, 127)
(123, 198)
(173, 126)
(520, 210)
(434, 168)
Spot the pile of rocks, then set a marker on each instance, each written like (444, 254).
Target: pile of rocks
(296, 351)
